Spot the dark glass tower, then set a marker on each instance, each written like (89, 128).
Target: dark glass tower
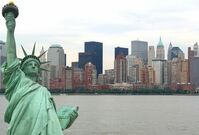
(94, 54)
(121, 51)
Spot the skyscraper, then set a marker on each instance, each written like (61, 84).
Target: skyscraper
(176, 52)
(160, 54)
(194, 74)
(57, 59)
(94, 54)
(44, 74)
(84, 58)
(169, 51)
(90, 75)
(140, 49)
(159, 65)
(195, 49)
(56, 55)
(151, 55)
(121, 50)
(3, 57)
(120, 66)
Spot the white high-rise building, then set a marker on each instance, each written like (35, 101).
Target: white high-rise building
(57, 59)
(159, 65)
(3, 57)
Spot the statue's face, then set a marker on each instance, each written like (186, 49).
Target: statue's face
(31, 69)
(10, 21)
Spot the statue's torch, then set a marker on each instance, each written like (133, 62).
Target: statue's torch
(10, 7)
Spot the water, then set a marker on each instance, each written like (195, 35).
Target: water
(128, 115)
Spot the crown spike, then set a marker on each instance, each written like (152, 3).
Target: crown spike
(24, 51)
(42, 54)
(33, 50)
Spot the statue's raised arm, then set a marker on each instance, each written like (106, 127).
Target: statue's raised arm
(30, 104)
(10, 12)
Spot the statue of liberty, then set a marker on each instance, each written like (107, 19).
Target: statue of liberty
(31, 109)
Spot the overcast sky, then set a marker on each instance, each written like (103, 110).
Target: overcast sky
(113, 22)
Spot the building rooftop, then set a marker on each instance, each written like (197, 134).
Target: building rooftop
(55, 46)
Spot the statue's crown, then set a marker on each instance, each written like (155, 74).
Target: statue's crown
(32, 57)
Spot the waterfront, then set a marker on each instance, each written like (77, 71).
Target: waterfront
(128, 115)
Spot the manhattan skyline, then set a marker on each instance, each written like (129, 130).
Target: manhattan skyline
(71, 23)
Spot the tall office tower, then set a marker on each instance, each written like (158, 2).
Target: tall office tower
(120, 64)
(140, 49)
(176, 52)
(151, 55)
(160, 54)
(3, 58)
(134, 69)
(77, 78)
(131, 68)
(169, 51)
(121, 50)
(57, 59)
(43, 57)
(195, 49)
(151, 75)
(194, 74)
(110, 76)
(44, 74)
(169, 71)
(158, 65)
(190, 55)
(179, 71)
(56, 55)
(96, 49)
(84, 58)
(90, 75)
(68, 78)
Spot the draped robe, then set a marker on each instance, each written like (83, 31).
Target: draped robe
(31, 109)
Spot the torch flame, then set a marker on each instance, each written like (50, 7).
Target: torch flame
(11, 1)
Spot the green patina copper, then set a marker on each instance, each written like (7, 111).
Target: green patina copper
(160, 44)
(31, 109)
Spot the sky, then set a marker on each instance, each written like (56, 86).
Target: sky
(113, 22)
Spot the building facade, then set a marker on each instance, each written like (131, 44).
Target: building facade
(122, 51)
(169, 51)
(158, 66)
(109, 76)
(57, 65)
(96, 49)
(151, 55)
(194, 74)
(120, 66)
(3, 57)
(90, 75)
(140, 49)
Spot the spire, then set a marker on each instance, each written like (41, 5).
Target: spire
(170, 45)
(160, 42)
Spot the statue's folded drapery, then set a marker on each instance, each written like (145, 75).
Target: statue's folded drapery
(31, 109)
